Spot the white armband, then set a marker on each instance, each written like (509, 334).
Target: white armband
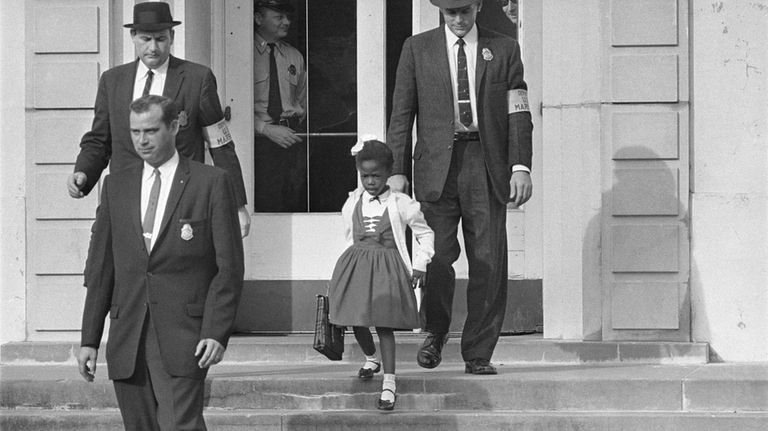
(517, 101)
(217, 135)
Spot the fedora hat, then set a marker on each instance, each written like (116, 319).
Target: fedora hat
(452, 4)
(152, 16)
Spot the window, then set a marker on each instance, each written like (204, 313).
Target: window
(315, 174)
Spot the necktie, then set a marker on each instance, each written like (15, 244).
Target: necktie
(149, 217)
(465, 106)
(275, 106)
(148, 83)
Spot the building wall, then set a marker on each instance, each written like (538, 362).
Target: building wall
(728, 180)
(729, 252)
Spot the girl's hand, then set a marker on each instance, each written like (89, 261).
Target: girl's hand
(419, 279)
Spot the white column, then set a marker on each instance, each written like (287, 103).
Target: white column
(13, 174)
(729, 201)
(571, 183)
(371, 67)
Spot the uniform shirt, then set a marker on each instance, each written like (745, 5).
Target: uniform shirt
(292, 77)
(158, 81)
(167, 171)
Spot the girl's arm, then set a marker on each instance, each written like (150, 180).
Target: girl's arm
(424, 248)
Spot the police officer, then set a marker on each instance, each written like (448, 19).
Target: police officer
(280, 100)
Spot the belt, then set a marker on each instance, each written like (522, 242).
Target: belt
(466, 136)
(292, 122)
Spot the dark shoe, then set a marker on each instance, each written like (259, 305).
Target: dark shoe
(429, 355)
(367, 373)
(479, 366)
(386, 405)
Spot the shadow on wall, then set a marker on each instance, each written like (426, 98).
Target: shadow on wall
(636, 253)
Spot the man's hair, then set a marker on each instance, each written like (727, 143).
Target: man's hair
(135, 31)
(375, 150)
(168, 106)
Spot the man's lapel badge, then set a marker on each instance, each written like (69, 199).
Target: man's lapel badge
(487, 54)
(183, 119)
(186, 232)
(292, 70)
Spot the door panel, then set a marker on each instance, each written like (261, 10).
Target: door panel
(646, 246)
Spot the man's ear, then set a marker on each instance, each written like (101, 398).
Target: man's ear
(173, 32)
(258, 18)
(174, 129)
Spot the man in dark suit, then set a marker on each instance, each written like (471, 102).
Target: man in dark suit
(166, 262)
(464, 85)
(192, 86)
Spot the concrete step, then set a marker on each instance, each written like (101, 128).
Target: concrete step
(527, 349)
(717, 388)
(241, 420)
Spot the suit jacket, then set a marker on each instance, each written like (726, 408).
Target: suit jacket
(191, 286)
(191, 85)
(423, 90)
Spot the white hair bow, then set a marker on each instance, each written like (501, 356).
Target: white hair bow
(361, 142)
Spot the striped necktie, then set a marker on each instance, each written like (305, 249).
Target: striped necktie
(465, 106)
(148, 83)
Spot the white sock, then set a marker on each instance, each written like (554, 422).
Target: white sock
(388, 383)
(371, 362)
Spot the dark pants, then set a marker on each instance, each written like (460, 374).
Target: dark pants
(468, 197)
(280, 176)
(152, 399)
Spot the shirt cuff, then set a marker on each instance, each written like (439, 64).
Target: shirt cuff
(516, 168)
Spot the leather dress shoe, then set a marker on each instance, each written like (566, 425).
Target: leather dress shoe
(367, 373)
(430, 353)
(384, 404)
(479, 366)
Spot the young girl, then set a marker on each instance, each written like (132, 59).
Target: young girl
(373, 281)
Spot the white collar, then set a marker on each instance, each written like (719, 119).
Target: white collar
(382, 197)
(470, 38)
(165, 169)
(162, 70)
(261, 43)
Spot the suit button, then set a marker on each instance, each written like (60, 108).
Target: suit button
(450, 146)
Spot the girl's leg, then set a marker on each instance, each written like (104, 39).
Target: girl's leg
(365, 341)
(388, 388)
(387, 344)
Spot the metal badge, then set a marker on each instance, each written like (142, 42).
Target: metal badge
(487, 54)
(183, 119)
(186, 232)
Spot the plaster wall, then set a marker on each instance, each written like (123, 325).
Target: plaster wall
(729, 278)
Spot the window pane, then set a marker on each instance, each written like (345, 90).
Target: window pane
(332, 119)
(315, 174)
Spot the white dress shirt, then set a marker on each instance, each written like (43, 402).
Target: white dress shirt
(158, 81)
(470, 49)
(167, 172)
